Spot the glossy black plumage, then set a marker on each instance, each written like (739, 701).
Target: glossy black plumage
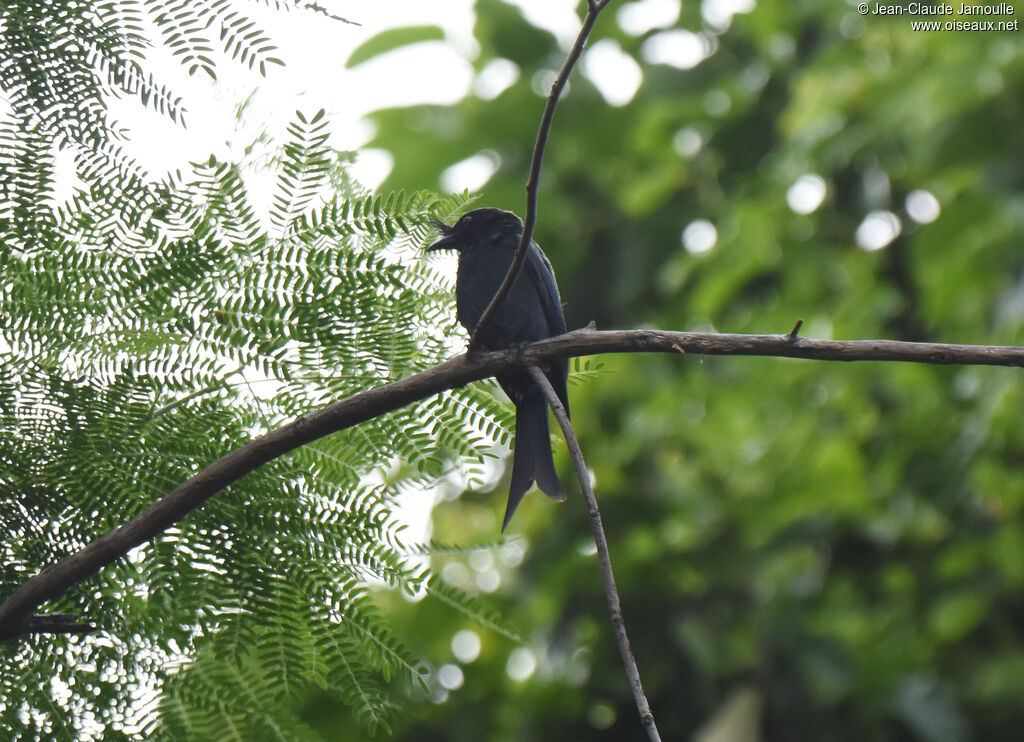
(486, 240)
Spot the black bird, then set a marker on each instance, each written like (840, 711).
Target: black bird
(486, 240)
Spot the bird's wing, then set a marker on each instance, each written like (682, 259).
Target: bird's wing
(542, 276)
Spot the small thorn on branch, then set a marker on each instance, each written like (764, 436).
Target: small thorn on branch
(679, 349)
(795, 332)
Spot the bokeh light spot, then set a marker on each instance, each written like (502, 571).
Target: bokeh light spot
(922, 206)
(806, 194)
(466, 645)
(521, 664)
(699, 237)
(878, 229)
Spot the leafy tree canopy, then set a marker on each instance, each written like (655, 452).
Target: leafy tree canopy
(806, 551)
(150, 327)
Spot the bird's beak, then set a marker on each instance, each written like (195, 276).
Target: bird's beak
(446, 241)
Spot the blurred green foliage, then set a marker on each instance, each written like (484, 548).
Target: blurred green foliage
(842, 544)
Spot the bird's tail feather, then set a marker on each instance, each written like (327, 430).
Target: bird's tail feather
(531, 459)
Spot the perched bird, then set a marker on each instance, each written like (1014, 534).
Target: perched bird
(486, 241)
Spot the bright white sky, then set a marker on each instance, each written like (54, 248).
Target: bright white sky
(315, 49)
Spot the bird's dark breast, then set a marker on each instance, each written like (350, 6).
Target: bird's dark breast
(517, 320)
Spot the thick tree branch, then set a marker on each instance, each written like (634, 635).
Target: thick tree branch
(611, 591)
(530, 218)
(55, 580)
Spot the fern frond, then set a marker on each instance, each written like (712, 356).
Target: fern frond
(160, 325)
(243, 39)
(470, 606)
(304, 170)
(182, 25)
(436, 548)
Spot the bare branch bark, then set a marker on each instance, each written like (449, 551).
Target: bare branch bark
(16, 611)
(592, 342)
(530, 218)
(611, 591)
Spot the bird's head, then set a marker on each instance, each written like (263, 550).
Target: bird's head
(475, 227)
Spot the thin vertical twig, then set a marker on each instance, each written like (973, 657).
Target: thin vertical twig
(611, 592)
(530, 220)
